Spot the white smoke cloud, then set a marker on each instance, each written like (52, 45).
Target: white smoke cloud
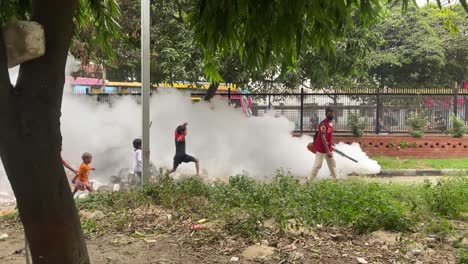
(225, 141)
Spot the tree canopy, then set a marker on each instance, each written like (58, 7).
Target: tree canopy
(265, 31)
(411, 49)
(193, 37)
(95, 17)
(418, 49)
(269, 41)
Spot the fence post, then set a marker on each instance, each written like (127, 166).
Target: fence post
(269, 102)
(229, 96)
(377, 114)
(455, 101)
(301, 122)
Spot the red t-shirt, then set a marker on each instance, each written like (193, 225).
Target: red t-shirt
(83, 172)
(179, 144)
(327, 128)
(178, 136)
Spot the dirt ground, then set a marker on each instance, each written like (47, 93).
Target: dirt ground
(321, 247)
(162, 240)
(180, 244)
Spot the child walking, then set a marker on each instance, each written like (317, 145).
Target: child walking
(137, 161)
(81, 180)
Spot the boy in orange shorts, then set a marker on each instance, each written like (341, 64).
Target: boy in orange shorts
(81, 180)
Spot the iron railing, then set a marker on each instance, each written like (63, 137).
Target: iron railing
(385, 110)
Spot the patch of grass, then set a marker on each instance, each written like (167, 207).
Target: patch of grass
(441, 228)
(413, 163)
(106, 200)
(13, 217)
(449, 197)
(88, 226)
(244, 204)
(462, 257)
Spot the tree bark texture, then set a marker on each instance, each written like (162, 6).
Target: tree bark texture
(210, 93)
(30, 141)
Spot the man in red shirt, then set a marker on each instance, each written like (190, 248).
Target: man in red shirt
(323, 146)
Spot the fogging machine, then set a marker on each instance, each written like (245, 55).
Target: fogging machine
(311, 147)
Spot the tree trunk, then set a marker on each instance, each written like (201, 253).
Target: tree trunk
(335, 106)
(30, 141)
(210, 93)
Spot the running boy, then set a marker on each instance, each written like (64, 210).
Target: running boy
(181, 156)
(81, 180)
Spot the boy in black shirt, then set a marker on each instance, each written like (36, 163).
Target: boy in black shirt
(181, 156)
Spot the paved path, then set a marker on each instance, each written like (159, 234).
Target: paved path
(404, 179)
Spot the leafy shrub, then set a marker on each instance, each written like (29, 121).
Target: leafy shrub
(462, 255)
(449, 197)
(357, 124)
(459, 128)
(418, 124)
(403, 144)
(244, 204)
(89, 227)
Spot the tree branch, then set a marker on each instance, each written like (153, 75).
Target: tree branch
(210, 93)
(179, 9)
(325, 92)
(270, 81)
(178, 18)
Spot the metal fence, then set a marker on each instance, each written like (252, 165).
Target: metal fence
(385, 110)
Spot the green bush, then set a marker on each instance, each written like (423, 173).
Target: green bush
(459, 128)
(357, 124)
(244, 204)
(89, 227)
(449, 197)
(418, 124)
(462, 255)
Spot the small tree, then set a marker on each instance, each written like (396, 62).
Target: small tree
(459, 128)
(418, 123)
(30, 110)
(357, 124)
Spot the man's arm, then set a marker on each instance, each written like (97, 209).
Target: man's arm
(139, 158)
(323, 130)
(325, 145)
